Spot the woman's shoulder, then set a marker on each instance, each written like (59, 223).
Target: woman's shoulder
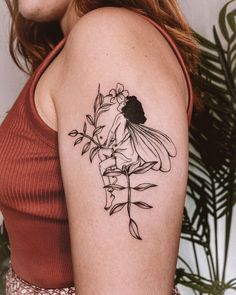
(116, 27)
(109, 43)
(107, 19)
(111, 38)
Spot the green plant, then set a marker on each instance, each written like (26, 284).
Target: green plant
(212, 167)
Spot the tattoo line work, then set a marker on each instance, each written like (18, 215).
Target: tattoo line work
(130, 148)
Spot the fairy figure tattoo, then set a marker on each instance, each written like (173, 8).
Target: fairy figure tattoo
(129, 148)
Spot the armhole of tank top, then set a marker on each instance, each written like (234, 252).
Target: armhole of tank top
(44, 131)
(181, 61)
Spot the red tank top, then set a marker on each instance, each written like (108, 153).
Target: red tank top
(32, 198)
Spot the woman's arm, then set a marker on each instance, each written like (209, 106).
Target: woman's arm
(132, 248)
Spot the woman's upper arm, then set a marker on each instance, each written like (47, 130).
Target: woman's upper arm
(124, 205)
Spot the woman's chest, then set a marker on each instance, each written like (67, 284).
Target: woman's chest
(28, 166)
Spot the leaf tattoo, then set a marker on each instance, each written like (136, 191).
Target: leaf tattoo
(130, 148)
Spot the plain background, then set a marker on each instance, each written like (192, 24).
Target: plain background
(201, 14)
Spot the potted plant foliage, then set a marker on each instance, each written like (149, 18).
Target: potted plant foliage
(212, 166)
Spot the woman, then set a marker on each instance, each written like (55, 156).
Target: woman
(61, 241)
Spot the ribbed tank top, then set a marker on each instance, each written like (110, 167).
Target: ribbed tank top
(32, 198)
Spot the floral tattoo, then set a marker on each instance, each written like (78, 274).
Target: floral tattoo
(130, 148)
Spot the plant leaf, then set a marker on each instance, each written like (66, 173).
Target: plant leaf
(90, 119)
(144, 168)
(116, 208)
(97, 130)
(222, 21)
(85, 127)
(133, 229)
(86, 147)
(93, 153)
(207, 43)
(112, 172)
(231, 20)
(78, 140)
(143, 205)
(96, 102)
(101, 99)
(73, 133)
(228, 78)
(143, 186)
(133, 166)
(115, 187)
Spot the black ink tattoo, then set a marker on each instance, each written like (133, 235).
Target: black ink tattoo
(130, 148)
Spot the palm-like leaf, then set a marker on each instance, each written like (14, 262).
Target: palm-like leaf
(212, 168)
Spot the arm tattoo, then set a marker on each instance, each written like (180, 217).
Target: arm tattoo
(130, 148)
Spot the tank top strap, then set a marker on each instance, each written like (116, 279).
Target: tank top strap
(46, 133)
(181, 61)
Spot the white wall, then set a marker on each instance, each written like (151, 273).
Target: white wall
(11, 79)
(201, 14)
